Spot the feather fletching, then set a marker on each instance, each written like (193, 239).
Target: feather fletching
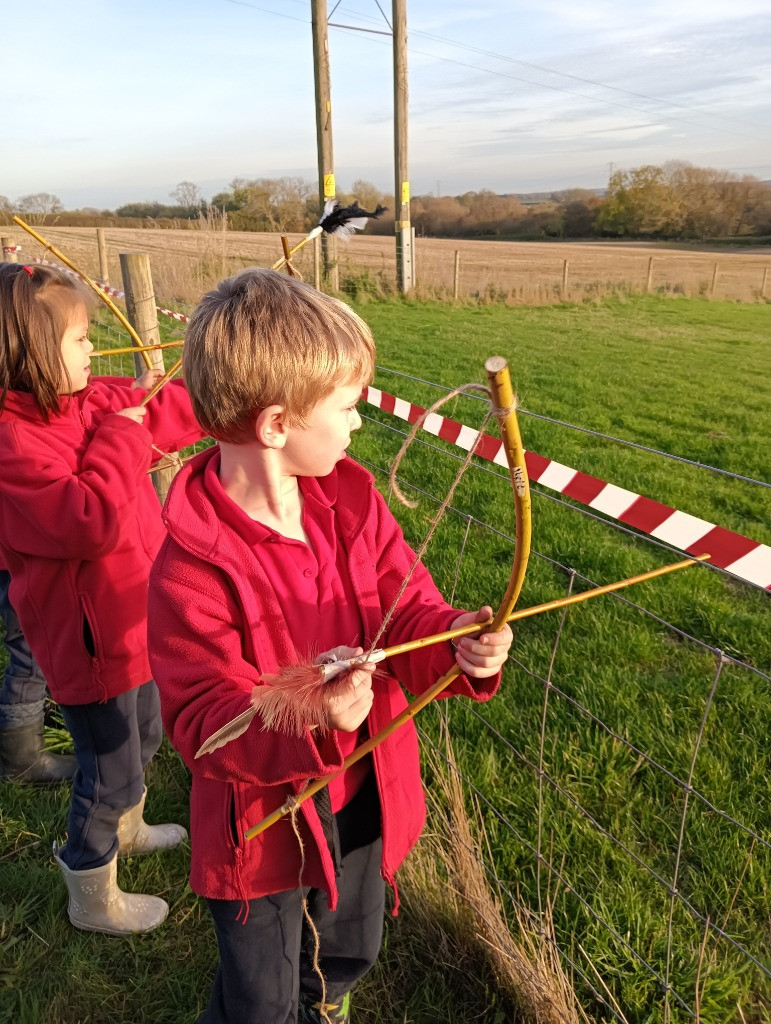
(342, 221)
(230, 731)
(296, 699)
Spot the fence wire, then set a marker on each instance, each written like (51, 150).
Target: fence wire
(642, 977)
(586, 430)
(668, 1000)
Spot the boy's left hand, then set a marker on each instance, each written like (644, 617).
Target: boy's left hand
(148, 378)
(481, 656)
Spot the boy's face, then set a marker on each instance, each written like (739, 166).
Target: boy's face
(316, 449)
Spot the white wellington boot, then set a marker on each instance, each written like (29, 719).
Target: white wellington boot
(98, 905)
(135, 836)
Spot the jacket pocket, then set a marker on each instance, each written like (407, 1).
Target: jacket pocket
(231, 818)
(90, 633)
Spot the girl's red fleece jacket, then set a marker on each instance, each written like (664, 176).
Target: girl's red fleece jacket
(214, 627)
(80, 526)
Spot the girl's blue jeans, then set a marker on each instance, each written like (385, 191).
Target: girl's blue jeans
(23, 693)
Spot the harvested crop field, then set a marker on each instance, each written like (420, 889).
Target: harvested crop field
(185, 262)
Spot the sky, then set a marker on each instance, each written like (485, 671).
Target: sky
(108, 101)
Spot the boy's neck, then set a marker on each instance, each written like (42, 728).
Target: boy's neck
(254, 478)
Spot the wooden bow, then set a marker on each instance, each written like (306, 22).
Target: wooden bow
(142, 349)
(505, 411)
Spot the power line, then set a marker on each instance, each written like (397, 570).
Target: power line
(655, 119)
(651, 115)
(566, 74)
(267, 10)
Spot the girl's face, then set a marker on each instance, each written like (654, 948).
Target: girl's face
(76, 351)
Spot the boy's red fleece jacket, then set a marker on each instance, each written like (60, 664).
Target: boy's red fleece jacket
(214, 628)
(80, 526)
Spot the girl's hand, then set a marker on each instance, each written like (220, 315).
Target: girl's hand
(348, 709)
(484, 655)
(148, 378)
(134, 412)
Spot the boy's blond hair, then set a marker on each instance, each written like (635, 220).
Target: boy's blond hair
(263, 338)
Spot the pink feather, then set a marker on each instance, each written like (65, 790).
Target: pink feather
(296, 699)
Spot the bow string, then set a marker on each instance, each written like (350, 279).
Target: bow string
(504, 408)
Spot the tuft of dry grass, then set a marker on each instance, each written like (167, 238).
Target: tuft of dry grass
(456, 904)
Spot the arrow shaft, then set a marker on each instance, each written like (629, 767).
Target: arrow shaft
(420, 702)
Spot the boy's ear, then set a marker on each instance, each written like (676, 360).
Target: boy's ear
(270, 427)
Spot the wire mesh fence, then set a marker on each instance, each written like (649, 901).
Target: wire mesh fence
(619, 772)
(620, 776)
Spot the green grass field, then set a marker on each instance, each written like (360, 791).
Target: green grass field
(684, 376)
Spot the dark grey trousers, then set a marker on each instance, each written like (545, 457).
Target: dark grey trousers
(266, 962)
(114, 742)
(23, 693)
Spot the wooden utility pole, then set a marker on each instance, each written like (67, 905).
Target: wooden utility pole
(404, 275)
(324, 132)
(142, 314)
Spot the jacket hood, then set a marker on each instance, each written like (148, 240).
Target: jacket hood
(22, 405)
(192, 521)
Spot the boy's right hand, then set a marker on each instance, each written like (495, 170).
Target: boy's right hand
(134, 412)
(349, 708)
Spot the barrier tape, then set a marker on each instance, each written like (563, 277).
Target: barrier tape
(115, 292)
(739, 555)
(11, 248)
(109, 290)
(748, 559)
(174, 315)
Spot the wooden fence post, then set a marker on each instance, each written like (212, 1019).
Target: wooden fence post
(456, 275)
(649, 278)
(414, 259)
(763, 283)
(287, 255)
(141, 312)
(564, 288)
(101, 245)
(713, 283)
(317, 263)
(9, 254)
(224, 272)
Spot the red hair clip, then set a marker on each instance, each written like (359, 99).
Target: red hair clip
(30, 270)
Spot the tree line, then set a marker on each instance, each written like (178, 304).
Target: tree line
(673, 201)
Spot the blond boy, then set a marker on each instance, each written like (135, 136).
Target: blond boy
(280, 547)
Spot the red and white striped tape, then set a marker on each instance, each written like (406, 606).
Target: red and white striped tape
(739, 555)
(11, 248)
(160, 309)
(174, 315)
(116, 293)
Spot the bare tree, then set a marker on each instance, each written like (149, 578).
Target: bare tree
(187, 194)
(38, 206)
